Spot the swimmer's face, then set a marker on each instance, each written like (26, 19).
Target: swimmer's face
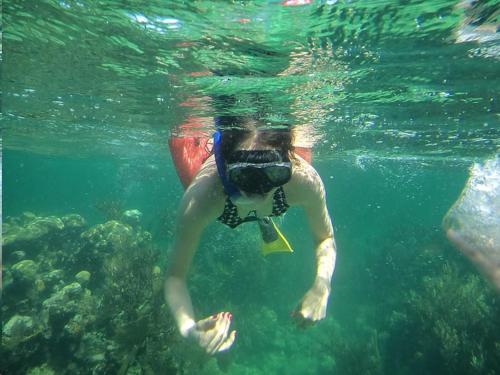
(257, 172)
(256, 168)
(254, 194)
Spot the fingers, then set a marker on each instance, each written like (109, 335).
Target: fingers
(207, 323)
(229, 341)
(304, 318)
(220, 333)
(206, 330)
(300, 320)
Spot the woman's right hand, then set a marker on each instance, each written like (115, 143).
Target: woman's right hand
(212, 333)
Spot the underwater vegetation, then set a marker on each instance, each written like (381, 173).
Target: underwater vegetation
(449, 326)
(81, 299)
(431, 313)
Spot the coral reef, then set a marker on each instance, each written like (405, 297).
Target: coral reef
(111, 209)
(422, 310)
(452, 320)
(356, 350)
(132, 217)
(81, 299)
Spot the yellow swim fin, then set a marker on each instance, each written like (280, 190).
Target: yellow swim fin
(273, 239)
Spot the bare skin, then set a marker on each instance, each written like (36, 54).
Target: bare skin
(482, 254)
(201, 204)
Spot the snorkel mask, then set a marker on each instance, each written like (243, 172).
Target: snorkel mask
(251, 171)
(258, 171)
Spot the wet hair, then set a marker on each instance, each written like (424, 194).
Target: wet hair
(236, 129)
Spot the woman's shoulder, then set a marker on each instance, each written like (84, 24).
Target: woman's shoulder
(304, 173)
(305, 182)
(206, 193)
(208, 170)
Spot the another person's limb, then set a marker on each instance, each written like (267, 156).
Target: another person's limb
(472, 222)
(195, 212)
(484, 255)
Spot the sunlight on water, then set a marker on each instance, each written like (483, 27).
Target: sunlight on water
(374, 78)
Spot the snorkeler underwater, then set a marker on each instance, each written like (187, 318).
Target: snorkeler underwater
(267, 187)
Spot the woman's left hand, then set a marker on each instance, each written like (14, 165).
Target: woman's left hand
(312, 307)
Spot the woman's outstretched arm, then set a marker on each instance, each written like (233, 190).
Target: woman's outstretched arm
(308, 191)
(199, 206)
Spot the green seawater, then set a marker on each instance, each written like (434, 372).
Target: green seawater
(398, 98)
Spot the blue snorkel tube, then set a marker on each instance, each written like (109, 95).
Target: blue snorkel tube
(230, 189)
